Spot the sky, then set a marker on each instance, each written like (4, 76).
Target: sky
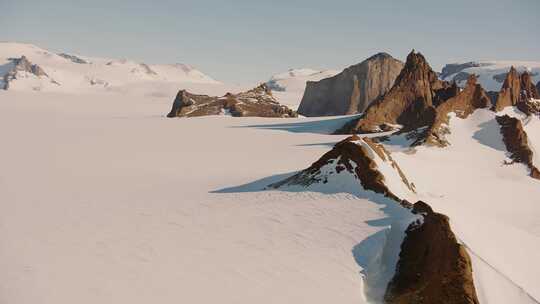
(247, 41)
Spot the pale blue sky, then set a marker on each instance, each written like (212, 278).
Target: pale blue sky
(245, 41)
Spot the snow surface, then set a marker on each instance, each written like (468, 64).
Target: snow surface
(489, 69)
(103, 200)
(289, 86)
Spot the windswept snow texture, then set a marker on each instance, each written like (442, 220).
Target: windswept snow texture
(491, 74)
(78, 74)
(103, 200)
(289, 86)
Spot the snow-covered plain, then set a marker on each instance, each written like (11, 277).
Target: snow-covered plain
(104, 200)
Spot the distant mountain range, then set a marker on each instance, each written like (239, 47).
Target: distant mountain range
(27, 67)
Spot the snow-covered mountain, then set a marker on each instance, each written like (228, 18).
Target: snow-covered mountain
(73, 73)
(490, 74)
(289, 86)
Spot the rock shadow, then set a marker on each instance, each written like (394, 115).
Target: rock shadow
(489, 135)
(321, 126)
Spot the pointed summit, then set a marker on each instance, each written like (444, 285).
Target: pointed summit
(517, 90)
(410, 102)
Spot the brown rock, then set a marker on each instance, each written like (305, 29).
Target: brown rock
(472, 97)
(516, 89)
(517, 143)
(256, 102)
(352, 90)
(410, 102)
(355, 159)
(433, 267)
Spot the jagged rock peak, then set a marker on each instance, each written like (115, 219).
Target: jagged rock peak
(410, 102)
(352, 90)
(433, 267)
(517, 90)
(255, 102)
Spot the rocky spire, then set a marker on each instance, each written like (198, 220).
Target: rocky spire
(472, 97)
(410, 102)
(516, 89)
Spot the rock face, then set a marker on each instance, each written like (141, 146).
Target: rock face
(410, 102)
(433, 267)
(21, 65)
(517, 143)
(472, 97)
(516, 89)
(352, 90)
(538, 87)
(255, 102)
(360, 157)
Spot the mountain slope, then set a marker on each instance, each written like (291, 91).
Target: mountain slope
(71, 73)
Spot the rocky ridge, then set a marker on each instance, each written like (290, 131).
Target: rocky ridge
(433, 267)
(463, 104)
(22, 65)
(256, 102)
(361, 158)
(517, 143)
(352, 90)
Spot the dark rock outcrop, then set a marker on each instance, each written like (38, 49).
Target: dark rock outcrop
(352, 90)
(22, 65)
(472, 97)
(516, 89)
(538, 86)
(517, 143)
(410, 102)
(354, 157)
(256, 102)
(432, 267)
(73, 58)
